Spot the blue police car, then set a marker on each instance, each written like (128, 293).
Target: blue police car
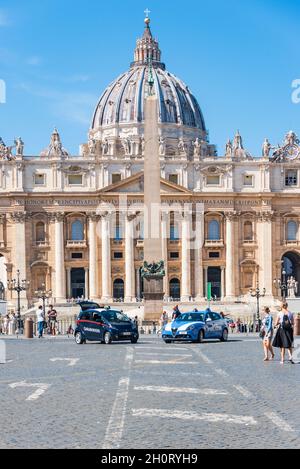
(105, 325)
(196, 327)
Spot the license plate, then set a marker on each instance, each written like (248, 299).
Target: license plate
(126, 333)
(183, 333)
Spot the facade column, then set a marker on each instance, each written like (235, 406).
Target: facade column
(199, 292)
(205, 280)
(87, 283)
(129, 260)
(106, 260)
(93, 257)
(186, 260)
(138, 284)
(19, 220)
(265, 253)
(60, 273)
(164, 236)
(230, 247)
(69, 292)
(222, 282)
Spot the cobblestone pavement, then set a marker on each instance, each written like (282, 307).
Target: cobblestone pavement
(149, 395)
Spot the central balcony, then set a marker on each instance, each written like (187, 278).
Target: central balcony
(212, 243)
(76, 244)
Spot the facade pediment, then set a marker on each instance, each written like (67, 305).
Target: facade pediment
(135, 184)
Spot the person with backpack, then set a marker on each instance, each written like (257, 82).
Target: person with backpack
(284, 338)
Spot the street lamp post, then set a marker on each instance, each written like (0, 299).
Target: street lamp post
(18, 286)
(258, 294)
(281, 284)
(43, 295)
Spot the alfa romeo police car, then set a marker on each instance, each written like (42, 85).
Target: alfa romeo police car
(196, 327)
(105, 325)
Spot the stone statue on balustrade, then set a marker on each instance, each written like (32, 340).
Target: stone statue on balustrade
(292, 287)
(182, 147)
(266, 149)
(228, 149)
(19, 144)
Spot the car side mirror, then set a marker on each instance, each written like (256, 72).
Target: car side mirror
(208, 319)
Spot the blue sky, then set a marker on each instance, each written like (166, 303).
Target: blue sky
(239, 57)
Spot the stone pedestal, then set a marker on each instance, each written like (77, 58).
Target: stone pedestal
(153, 294)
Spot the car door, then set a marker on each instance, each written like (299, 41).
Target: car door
(218, 325)
(209, 326)
(97, 327)
(85, 325)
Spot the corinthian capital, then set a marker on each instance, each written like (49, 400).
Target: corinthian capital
(56, 217)
(18, 217)
(230, 216)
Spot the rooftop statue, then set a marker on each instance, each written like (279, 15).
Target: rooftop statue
(55, 148)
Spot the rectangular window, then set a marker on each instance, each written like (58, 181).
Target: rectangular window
(248, 181)
(174, 255)
(116, 178)
(214, 255)
(75, 179)
(291, 178)
(118, 255)
(39, 179)
(118, 233)
(77, 255)
(173, 178)
(213, 180)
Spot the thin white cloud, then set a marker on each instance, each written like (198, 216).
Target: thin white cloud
(72, 106)
(34, 60)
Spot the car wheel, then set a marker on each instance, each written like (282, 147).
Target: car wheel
(134, 341)
(224, 337)
(201, 336)
(107, 338)
(79, 339)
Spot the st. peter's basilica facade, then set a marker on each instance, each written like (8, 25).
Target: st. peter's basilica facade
(56, 223)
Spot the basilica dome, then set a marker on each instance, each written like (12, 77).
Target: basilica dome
(122, 103)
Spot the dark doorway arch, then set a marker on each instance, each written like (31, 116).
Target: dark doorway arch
(175, 292)
(291, 265)
(118, 293)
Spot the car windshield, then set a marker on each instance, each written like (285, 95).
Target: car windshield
(191, 317)
(115, 316)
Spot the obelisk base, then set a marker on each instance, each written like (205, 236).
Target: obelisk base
(154, 295)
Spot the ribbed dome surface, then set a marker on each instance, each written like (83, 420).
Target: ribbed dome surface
(123, 100)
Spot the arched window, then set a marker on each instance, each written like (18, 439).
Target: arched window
(248, 231)
(214, 230)
(119, 289)
(292, 231)
(77, 231)
(175, 289)
(40, 232)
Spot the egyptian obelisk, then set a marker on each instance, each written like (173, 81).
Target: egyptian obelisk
(153, 270)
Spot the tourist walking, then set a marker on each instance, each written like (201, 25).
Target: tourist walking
(40, 317)
(266, 334)
(284, 337)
